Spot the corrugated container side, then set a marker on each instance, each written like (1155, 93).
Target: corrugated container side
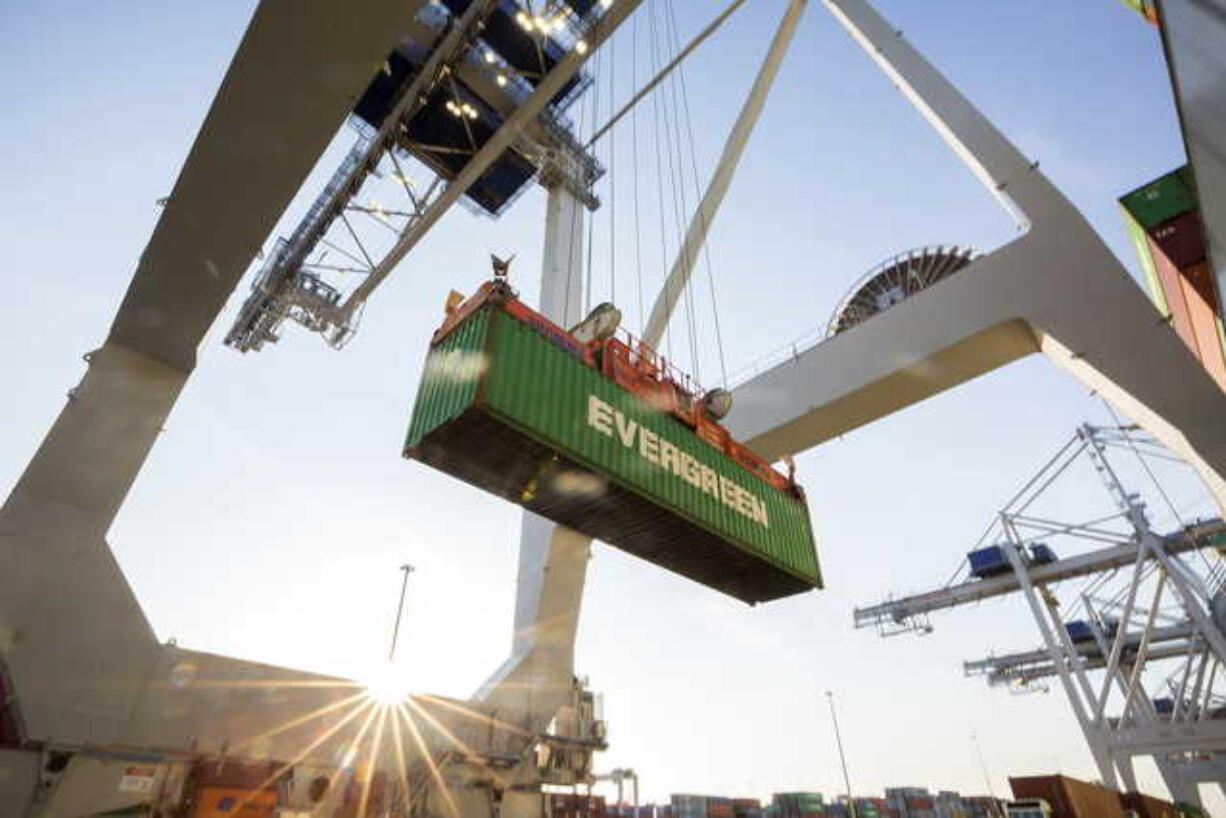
(1069, 797)
(1181, 239)
(1204, 320)
(450, 377)
(1177, 304)
(523, 360)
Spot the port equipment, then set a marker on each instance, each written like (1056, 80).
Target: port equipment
(896, 279)
(1056, 289)
(1122, 637)
(602, 434)
(91, 673)
(272, 118)
(469, 104)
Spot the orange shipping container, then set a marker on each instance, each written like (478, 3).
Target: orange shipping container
(1204, 318)
(1069, 797)
(233, 802)
(1146, 806)
(1173, 292)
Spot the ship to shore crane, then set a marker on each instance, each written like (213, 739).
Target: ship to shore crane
(86, 680)
(1181, 724)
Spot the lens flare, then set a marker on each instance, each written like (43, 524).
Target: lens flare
(387, 685)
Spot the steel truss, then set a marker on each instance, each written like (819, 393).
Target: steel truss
(1142, 666)
(349, 233)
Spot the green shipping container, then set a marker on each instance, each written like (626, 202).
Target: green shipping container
(1161, 200)
(507, 409)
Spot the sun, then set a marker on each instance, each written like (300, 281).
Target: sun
(387, 685)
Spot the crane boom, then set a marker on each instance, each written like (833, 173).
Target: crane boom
(1208, 534)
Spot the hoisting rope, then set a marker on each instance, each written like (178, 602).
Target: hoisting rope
(612, 177)
(706, 248)
(634, 154)
(575, 230)
(680, 203)
(597, 61)
(677, 194)
(655, 107)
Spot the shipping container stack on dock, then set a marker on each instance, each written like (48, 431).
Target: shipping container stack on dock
(796, 805)
(949, 805)
(911, 802)
(565, 805)
(746, 808)
(1163, 219)
(702, 806)
(983, 806)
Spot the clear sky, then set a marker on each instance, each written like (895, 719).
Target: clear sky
(269, 521)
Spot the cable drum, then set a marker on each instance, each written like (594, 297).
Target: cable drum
(895, 280)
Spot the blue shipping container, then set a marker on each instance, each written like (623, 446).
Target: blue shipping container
(1079, 631)
(1041, 554)
(988, 562)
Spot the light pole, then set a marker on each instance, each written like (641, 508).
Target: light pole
(404, 585)
(838, 738)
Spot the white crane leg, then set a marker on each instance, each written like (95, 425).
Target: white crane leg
(530, 687)
(79, 656)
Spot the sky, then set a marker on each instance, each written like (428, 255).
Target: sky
(270, 520)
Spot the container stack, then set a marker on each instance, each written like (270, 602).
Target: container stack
(911, 802)
(872, 808)
(950, 805)
(797, 805)
(564, 805)
(702, 806)
(1163, 220)
(983, 806)
(746, 808)
(1145, 8)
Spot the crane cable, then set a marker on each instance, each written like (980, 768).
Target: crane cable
(597, 65)
(655, 106)
(706, 245)
(678, 196)
(634, 155)
(575, 232)
(612, 46)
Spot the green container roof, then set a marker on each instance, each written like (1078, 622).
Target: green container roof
(1161, 200)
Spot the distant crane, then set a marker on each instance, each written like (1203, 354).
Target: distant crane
(1181, 724)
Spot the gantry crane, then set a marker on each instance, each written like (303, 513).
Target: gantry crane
(88, 672)
(1118, 636)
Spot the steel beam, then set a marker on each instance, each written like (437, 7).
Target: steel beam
(538, 677)
(1210, 534)
(548, 88)
(1057, 289)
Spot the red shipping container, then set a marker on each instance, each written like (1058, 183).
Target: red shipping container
(1173, 288)
(1181, 240)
